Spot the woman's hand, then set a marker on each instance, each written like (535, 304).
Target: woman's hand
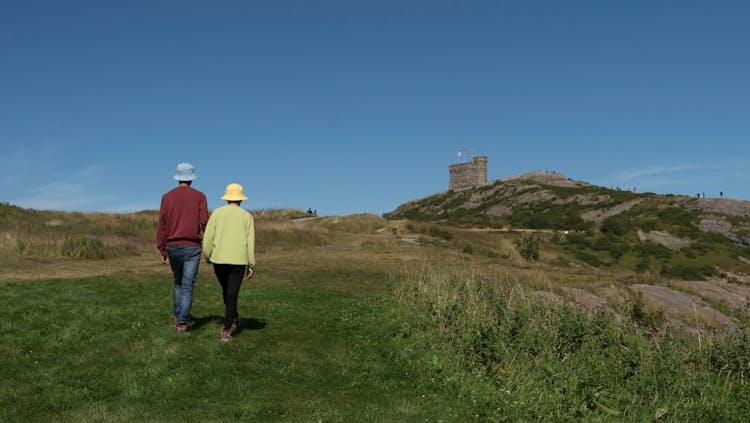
(250, 273)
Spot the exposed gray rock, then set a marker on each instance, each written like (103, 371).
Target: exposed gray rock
(521, 188)
(727, 206)
(548, 178)
(584, 200)
(568, 183)
(663, 238)
(611, 295)
(681, 305)
(535, 197)
(499, 211)
(580, 298)
(720, 224)
(600, 215)
(590, 301)
(733, 296)
(715, 223)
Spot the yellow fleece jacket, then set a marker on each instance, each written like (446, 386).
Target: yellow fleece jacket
(230, 237)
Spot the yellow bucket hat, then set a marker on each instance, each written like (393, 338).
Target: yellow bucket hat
(234, 192)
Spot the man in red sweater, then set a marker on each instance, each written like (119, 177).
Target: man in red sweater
(183, 215)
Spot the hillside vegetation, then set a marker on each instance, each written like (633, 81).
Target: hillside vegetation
(672, 236)
(359, 318)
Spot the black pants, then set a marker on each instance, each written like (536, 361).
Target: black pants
(230, 277)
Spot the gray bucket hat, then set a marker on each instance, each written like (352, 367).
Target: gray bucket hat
(185, 172)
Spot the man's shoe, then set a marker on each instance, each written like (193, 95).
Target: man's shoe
(180, 329)
(226, 335)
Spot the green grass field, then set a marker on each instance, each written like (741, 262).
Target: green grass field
(103, 349)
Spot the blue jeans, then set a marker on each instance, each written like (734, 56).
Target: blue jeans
(184, 260)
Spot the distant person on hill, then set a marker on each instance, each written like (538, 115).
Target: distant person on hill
(183, 215)
(229, 243)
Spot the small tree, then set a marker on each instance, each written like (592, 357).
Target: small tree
(528, 247)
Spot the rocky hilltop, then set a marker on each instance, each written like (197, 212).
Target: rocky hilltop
(548, 200)
(680, 254)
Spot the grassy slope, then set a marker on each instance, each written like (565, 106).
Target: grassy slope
(103, 349)
(336, 332)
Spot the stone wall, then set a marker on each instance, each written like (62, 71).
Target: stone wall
(466, 175)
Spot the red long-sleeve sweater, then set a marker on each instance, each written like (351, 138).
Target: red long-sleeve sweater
(183, 215)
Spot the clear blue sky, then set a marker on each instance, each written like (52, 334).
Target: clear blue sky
(358, 106)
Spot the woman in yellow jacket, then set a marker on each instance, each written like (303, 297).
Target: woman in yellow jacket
(229, 243)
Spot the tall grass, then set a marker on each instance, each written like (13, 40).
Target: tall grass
(278, 214)
(274, 232)
(354, 223)
(276, 235)
(51, 234)
(48, 234)
(515, 357)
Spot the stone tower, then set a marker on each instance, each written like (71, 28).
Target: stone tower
(467, 175)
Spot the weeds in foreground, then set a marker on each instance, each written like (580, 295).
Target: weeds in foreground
(513, 356)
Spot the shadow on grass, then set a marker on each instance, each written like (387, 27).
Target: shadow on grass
(245, 323)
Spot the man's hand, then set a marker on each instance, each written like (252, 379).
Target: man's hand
(164, 259)
(250, 273)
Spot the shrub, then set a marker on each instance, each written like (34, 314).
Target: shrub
(645, 315)
(588, 258)
(85, 248)
(617, 225)
(687, 271)
(528, 247)
(651, 249)
(611, 244)
(677, 216)
(440, 233)
(643, 265)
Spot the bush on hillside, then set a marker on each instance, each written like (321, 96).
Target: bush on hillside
(528, 247)
(617, 225)
(652, 250)
(85, 248)
(687, 271)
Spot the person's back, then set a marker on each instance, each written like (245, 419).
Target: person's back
(229, 244)
(230, 237)
(183, 215)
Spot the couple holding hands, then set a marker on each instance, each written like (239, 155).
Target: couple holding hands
(226, 240)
